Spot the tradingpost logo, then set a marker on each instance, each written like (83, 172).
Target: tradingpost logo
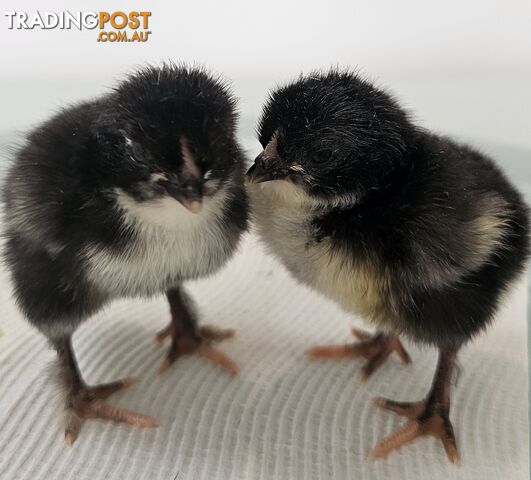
(110, 26)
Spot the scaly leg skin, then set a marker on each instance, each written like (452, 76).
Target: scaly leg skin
(88, 402)
(188, 338)
(427, 417)
(375, 348)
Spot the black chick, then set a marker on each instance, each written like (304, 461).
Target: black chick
(419, 235)
(128, 195)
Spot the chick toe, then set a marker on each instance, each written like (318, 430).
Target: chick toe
(200, 343)
(424, 419)
(375, 348)
(88, 402)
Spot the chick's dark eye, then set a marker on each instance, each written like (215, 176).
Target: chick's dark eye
(323, 156)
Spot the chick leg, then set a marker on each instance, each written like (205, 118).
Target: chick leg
(187, 337)
(375, 348)
(427, 417)
(84, 402)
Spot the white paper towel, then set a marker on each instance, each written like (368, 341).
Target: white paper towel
(283, 417)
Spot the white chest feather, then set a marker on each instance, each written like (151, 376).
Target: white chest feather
(283, 216)
(171, 245)
(282, 224)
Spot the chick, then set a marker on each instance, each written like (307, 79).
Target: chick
(128, 195)
(415, 233)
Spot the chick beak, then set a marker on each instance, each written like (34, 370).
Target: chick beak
(190, 197)
(265, 165)
(257, 174)
(264, 170)
(194, 205)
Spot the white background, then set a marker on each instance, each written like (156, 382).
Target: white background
(462, 67)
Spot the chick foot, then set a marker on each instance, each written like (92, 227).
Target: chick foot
(88, 402)
(424, 419)
(200, 342)
(427, 417)
(375, 348)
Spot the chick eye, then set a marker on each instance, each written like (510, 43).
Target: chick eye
(323, 156)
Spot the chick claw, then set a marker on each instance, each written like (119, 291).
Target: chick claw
(425, 418)
(201, 343)
(88, 403)
(375, 348)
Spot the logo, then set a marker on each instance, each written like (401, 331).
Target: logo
(110, 26)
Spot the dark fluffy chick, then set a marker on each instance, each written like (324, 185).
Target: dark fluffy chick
(128, 195)
(419, 235)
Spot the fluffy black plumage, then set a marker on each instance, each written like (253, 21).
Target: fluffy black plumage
(104, 201)
(415, 232)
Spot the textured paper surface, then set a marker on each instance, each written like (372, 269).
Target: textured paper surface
(283, 417)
